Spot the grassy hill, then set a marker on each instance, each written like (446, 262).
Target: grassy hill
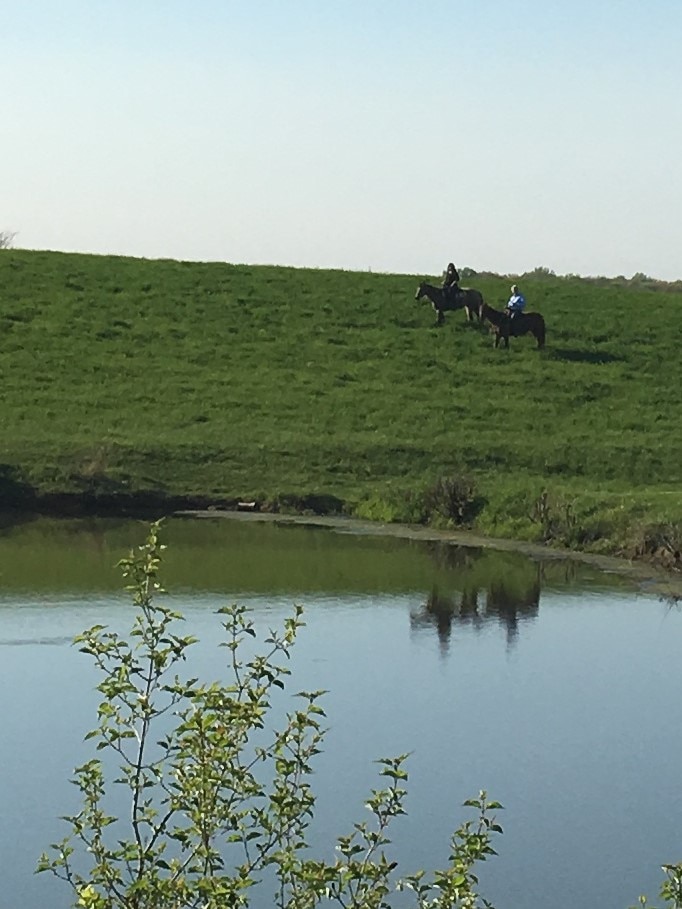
(123, 377)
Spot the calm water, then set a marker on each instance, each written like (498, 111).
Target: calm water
(552, 686)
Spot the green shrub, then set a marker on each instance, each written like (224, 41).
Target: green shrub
(452, 500)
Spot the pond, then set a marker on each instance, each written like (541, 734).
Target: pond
(552, 685)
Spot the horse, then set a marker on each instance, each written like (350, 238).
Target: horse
(503, 325)
(464, 298)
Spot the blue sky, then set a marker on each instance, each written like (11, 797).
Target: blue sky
(395, 136)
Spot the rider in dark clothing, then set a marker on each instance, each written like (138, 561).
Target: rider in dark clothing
(451, 282)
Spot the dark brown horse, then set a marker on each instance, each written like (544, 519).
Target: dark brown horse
(465, 298)
(503, 325)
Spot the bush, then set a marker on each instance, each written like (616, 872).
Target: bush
(558, 522)
(453, 500)
(660, 543)
(6, 238)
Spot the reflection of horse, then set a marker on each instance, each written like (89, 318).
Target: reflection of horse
(444, 611)
(503, 325)
(465, 298)
(486, 590)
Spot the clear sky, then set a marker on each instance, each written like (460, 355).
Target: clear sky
(397, 136)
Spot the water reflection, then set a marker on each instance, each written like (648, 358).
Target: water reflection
(34, 641)
(238, 558)
(474, 608)
(488, 588)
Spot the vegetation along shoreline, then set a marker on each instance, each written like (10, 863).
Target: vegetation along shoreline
(147, 387)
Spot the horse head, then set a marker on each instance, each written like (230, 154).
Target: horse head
(420, 291)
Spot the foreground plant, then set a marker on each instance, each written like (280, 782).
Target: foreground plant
(218, 801)
(671, 888)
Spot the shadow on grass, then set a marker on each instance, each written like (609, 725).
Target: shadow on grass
(14, 489)
(572, 355)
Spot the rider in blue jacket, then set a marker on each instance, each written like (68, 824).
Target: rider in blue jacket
(516, 302)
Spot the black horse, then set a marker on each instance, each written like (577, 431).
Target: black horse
(503, 325)
(464, 298)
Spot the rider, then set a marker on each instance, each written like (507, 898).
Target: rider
(516, 302)
(451, 281)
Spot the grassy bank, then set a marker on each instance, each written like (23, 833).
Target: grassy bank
(123, 378)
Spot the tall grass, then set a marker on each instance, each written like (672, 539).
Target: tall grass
(122, 375)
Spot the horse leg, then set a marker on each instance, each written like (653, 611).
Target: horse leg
(441, 317)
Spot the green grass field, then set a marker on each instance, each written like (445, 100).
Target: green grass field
(125, 376)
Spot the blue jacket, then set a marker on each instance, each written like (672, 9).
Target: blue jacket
(516, 302)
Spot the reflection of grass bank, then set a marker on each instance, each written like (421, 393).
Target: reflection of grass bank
(264, 556)
(128, 380)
